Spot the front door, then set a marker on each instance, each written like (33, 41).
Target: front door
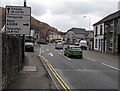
(118, 43)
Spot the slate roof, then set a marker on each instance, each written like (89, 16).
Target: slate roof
(109, 17)
(78, 30)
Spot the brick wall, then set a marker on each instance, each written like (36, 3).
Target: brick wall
(0, 61)
(11, 58)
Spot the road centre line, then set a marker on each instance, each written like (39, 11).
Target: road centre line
(103, 64)
(47, 49)
(92, 60)
(50, 54)
(67, 58)
(42, 51)
(59, 53)
(110, 66)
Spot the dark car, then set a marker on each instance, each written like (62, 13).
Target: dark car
(29, 47)
(72, 50)
(42, 42)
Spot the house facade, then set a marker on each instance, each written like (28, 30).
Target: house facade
(74, 35)
(98, 37)
(107, 34)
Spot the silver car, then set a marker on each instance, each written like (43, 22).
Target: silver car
(59, 46)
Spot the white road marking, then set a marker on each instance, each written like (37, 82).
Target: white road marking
(61, 50)
(90, 59)
(93, 60)
(40, 52)
(59, 53)
(110, 66)
(87, 58)
(67, 58)
(50, 54)
(47, 49)
(55, 50)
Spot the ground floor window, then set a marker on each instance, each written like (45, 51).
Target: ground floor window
(96, 43)
(111, 44)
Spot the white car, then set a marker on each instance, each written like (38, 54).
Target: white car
(82, 44)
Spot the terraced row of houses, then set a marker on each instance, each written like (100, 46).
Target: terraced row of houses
(107, 34)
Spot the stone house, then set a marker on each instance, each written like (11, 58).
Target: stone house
(107, 34)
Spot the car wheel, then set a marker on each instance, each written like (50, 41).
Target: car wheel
(68, 55)
(65, 54)
(80, 57)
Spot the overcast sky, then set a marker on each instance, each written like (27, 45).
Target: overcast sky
(65, 14)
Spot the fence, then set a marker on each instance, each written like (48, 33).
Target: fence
(11, 58)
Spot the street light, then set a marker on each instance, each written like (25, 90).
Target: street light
(89, 21)
(89, 29)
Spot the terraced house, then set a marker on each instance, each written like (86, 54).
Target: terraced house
(107, 34)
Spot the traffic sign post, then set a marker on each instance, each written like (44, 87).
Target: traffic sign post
(18, 20)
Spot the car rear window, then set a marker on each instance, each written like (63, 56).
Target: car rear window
(76, 48)
(29, 43)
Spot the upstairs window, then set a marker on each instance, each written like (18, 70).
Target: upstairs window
(96, 31)
(101, 29)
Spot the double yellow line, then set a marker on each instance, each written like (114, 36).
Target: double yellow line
(63, 84)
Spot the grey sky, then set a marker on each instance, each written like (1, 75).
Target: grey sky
(65, 14)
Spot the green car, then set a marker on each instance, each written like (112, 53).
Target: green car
(72, 50)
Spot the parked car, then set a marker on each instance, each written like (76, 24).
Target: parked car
(59, 46)
(58, 41)
(73, 50)
(42, 42)
(82, 44)
(29, 47)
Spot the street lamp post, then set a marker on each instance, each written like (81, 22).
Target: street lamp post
(89, 30)
(89, 22)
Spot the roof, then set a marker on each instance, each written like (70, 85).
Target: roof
(78, 30)
(109, 17)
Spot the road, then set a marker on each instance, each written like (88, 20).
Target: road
(94, 71)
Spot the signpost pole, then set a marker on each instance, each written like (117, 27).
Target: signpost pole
(23, 54)
(19, 54)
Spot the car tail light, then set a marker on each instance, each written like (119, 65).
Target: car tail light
(62, 44)
(70, 48)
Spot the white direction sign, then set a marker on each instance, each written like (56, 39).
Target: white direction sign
(18, 20)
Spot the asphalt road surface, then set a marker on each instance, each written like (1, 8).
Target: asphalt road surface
(95, 71)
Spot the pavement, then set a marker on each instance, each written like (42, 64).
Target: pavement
(33, 77)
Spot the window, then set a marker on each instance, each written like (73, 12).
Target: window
(96, 43)
(96, 29)
(101, 27)
(111, 44)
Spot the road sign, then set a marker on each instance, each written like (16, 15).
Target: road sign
(18, 20)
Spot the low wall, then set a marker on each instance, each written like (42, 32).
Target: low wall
(0, 61)
(11, 58)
